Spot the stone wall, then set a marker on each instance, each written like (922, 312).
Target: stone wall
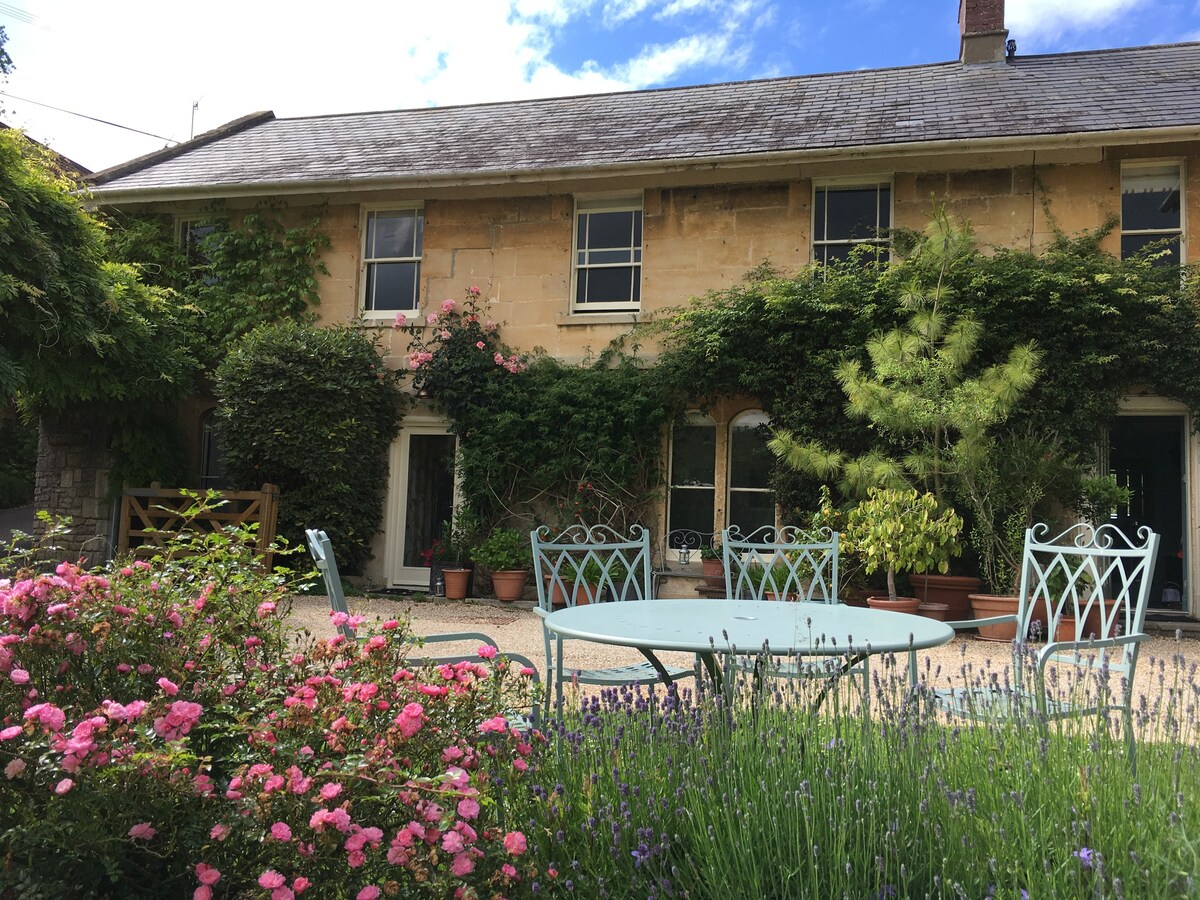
(72, 480)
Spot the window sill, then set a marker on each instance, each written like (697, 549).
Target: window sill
(567, 320)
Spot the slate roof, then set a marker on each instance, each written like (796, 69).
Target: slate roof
(1059, 94)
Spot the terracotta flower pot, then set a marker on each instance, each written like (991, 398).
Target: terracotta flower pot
(456, 583)
(509, 584)
(939, 611)
(557, 598)
(984, 606)
(908, 605)
(714, 572)
(953, 590)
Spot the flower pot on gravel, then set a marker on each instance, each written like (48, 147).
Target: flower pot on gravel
(456, 583)
(953, 590)
(908, 605)
(938, 611)
(509, 584)
(984, 606)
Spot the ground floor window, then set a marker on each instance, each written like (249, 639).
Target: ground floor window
(720, 473)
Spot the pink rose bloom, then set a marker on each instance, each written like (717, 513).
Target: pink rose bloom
(468, 808)
(204, 892)
(63, 786)
(301, 884)
(48, 714)
(432, 318)
(487, 651)
(10, 732)
(219, 832)
(514, 843)
(462, 865)
(271, 879)
(14, 768)
(281, 832)
(448, 306)
(520, 765)
(282, 893)
(497, 724)
(498, 358)
(19, 676)
(452, 842)
(169, 687)
(145, 669)
(400, 321)
(480, 344)
(207, 874)
(331, 790)
(508, 871)
(370, 892)
(142, 831)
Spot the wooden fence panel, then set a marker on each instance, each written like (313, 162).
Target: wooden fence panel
(151, 516)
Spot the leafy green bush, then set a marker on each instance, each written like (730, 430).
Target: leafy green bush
(504, 549)
(313, 410)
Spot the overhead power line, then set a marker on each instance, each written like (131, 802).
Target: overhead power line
(21, 15)
(91, 118)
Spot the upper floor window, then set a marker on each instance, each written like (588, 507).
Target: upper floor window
(1152, 210)
(850, 216)
(608, 255)
(392, 259)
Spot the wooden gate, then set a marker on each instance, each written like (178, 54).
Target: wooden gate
(151, 516)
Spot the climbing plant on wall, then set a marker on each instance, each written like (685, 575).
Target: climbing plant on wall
(541, 440)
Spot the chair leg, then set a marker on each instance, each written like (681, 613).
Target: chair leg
(1127, 717)
(866, 690)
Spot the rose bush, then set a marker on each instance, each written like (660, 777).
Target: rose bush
(163, 732)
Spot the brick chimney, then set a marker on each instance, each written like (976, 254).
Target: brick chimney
(981, 24)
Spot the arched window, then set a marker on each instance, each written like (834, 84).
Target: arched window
(751, 502)
(693, 474)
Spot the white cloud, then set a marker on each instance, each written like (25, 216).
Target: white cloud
(658, 64)
(617, 12)
(1043, 21)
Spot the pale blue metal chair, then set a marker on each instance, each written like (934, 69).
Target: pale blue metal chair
(1085, 573)
(321, 549)
(788, 564)
(595, 564)
(783, 563)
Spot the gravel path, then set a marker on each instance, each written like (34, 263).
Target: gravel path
(517, 630)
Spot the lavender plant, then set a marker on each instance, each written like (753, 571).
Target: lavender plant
(674, 794)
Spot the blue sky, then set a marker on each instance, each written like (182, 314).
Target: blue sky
(143, 63)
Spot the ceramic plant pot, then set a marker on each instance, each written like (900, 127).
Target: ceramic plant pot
(714, 572)
(456, 583)
(509, 584)
(908, 605)
(953, 590)
(984, 606)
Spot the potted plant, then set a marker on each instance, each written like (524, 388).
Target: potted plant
(506, 553)
(450, 558)
(712, 563)
(899, 530)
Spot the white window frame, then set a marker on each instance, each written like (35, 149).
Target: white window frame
(1161, 163)
(186, 239)
(366, 261)
(623, 203)
(734, 421)
(846, 184)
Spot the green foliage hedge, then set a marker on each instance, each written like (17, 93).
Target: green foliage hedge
(313, 410)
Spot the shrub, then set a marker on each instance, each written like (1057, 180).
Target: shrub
(313, 410)
(162, 732)
(505, 549)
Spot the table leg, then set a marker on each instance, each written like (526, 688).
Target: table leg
(658, 666)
